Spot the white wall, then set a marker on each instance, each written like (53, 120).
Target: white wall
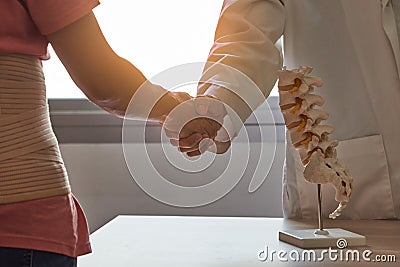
(101, 181)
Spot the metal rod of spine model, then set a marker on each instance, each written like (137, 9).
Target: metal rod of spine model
(320, 217)
(302, 111)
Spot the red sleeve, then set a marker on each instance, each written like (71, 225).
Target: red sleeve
(53, 15)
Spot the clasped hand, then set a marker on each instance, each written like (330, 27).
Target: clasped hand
(195, 125)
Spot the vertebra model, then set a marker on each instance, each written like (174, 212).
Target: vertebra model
(302, 118)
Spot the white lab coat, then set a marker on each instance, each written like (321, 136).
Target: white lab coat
(354, 47)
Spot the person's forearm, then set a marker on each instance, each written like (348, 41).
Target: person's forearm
(114, 90)
(111, 87)
(105, 78)
(243, 61)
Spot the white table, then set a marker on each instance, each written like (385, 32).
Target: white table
(150, 241)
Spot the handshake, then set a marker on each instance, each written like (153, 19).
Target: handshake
(195, 124)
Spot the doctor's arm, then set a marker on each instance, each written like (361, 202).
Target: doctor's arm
(243, 62)
(106, 79)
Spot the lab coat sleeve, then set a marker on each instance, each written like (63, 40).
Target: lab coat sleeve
(243, 62)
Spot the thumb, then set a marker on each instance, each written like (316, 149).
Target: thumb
(201, 105)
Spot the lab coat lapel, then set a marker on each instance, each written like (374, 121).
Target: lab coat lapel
(389, 25)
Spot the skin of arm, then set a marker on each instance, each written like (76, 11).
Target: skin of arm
(106, 79)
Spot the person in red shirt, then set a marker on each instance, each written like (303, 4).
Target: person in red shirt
(42, 223)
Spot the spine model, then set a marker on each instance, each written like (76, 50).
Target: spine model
(300, 108)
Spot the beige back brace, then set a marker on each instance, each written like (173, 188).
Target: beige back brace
(31, 166)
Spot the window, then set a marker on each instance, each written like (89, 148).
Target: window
(153, 34)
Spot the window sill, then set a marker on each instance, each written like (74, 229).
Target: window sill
(80, 121)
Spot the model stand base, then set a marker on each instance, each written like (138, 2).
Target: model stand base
(335, 238)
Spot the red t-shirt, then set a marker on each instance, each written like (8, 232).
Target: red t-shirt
(56, 224)
(23, 32)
